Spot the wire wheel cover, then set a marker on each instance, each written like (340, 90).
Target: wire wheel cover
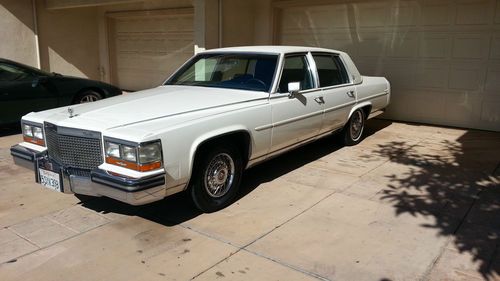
(356, 125)
(219, 175)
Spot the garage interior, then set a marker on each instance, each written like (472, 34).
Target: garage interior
(442, 57)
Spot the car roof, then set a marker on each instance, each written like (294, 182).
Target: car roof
(21, 65)
(276, 49)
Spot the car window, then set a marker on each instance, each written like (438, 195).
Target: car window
(295, 69)
(330, 70)
(238, 71)
(11, 73)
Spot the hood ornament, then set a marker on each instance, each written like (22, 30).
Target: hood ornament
(71, 111)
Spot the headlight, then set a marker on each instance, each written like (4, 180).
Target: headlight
(112, 149)
(141, 157)
(38, 133)
(28, 131)
(150, 153)
(129, 153)
(33, 133)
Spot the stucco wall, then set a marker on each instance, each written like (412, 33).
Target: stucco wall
(246, 22)
(17, 31)
(263, 17)
(238, 17)
(69, 41)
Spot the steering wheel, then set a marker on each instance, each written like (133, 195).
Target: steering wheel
(256, 81)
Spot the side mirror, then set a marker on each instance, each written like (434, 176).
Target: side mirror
(36, 82)
(293, 89)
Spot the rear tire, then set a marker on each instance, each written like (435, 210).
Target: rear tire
(352, 133)
(216, 177)
(87, 96)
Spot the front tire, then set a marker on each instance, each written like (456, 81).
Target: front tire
(353, 131)
(216, 177)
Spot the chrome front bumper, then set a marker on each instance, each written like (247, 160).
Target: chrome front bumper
(98, 182)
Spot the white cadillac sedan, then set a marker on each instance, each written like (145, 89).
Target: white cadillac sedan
(222, 112)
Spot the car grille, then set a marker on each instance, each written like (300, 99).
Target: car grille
(74, 148)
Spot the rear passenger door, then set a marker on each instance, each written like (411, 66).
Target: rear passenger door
(336, 88)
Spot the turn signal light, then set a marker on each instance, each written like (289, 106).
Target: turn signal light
(34, 140)
(134, 166)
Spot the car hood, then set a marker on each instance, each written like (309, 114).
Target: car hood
(152, 104)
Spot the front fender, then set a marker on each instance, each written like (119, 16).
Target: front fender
(207, 136)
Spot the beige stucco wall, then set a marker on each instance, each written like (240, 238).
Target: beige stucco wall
(238, 17)
(17, 31)
(246, 22)
(69, 41)
(263, 17)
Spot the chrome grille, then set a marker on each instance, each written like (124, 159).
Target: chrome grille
(74, 148)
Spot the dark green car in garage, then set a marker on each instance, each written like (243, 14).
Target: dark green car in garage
(24, 89)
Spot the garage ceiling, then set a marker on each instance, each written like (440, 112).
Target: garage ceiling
(442, 57)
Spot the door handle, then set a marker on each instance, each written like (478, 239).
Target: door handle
(319, 100)
(350, 94)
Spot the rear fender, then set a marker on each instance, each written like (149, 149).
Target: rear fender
(358, 106)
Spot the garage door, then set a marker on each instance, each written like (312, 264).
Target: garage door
(147, 46)
(442, 57)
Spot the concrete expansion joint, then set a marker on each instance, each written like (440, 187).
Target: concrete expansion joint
(427, 273)
(58, 223)
(312, 274)
(210, 236)
(24, 238)
(39, 247)
(244, 247)
(290, 219)
(47, 246)
(217, 263)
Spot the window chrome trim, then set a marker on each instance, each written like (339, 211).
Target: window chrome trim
(313, 69)
(270, 90)
(277, 75)
(282, 66)
(350, 83)
(304, 92)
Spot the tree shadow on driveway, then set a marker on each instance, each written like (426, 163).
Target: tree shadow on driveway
(178, 208)
(458, 183)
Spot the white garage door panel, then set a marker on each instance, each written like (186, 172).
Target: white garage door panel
(442, 57)
(146, 47)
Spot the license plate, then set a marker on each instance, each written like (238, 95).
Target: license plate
(50, 179)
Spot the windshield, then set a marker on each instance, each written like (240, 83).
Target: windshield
(252, 72)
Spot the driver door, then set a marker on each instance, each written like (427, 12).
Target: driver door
(297, 118)
(19, 94)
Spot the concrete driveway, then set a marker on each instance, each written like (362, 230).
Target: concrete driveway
(411, 202)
